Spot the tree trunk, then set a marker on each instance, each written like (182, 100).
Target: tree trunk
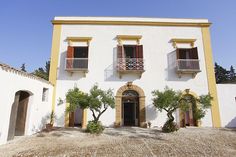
(170, 116)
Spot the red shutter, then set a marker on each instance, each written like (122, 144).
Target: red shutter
(140, 51)
(70, 52)
(194, 53)
(70, 55)
(177, 54)
(119, 51)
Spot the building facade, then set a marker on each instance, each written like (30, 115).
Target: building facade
(25, 103)
(133, 56)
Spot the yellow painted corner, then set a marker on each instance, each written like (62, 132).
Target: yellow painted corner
(67, 118)
(84, 121)
(54, 60)
(211, 76)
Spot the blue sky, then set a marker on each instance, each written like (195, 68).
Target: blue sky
(26, 30)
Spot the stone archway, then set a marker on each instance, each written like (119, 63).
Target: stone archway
(118, 104)
(187, 118)
(17, 124)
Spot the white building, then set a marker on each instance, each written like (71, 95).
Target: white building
(133, 56)
(25, 103)
(227, 104)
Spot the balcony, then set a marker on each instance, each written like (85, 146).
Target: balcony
(130, 65)
(76, 64)
(188, 66)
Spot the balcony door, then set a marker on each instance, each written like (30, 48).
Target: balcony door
(81, 57)
(130, 51)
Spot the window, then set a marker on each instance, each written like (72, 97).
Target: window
(130, 57)
(45, 95)
(187, 59)
(130, 51)
(77, 57)
(184, 53)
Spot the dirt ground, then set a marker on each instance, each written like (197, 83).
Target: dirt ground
(125, 142)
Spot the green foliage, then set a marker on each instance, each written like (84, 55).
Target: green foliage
(76, 98)
(95, 127)
(170, 126)
(97, 101)
(204, 102)
(43, 72)
(223, 75)
(167, 100)
(52, 116)
(170, 100)
(22, 68)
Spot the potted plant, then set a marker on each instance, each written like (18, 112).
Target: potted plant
(50, 124)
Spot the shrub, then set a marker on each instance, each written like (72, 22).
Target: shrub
(94, 127)
(169, 126)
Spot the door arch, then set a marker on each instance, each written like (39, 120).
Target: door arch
(130, 108)
(18, 115)
(141, 104)
(187, 117)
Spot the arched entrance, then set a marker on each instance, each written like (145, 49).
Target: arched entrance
(130, 106)
(75, 118)
(187, 118)
(18, 115)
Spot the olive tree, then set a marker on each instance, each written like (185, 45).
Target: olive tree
(170, 100)
(97, 101)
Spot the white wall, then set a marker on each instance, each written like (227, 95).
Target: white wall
(159, 71)
(227, 104)
(12, 82)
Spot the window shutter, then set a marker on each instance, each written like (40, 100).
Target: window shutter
(139, 51)
(194, 53)
(87, 51)
(182, 54)
(70, 52)
(119, 51)
(177, 54)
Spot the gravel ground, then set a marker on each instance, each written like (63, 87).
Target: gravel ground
(132, 141)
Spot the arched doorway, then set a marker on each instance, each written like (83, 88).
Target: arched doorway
(76, 118)
(18, 115)
(130, 108)
(187, 118)
(130, 98)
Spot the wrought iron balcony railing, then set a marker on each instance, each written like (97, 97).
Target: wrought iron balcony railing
(130, 64)
(188, 65)
(76, 64)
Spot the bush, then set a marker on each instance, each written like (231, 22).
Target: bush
(94, 127)
(170, 126)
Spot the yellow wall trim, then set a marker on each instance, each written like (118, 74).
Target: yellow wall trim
(211, 77)
(142, 23)
(78, 39)
(128, 37)
(54, 60)
(185, 41)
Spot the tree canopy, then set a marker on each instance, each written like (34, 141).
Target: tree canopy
(43, 72)
(223, 75)
(97, 101)
(171, 100)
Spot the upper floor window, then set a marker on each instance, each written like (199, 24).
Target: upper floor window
(130, 55)
(187, 53)
(187, 60)
(77, 58)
